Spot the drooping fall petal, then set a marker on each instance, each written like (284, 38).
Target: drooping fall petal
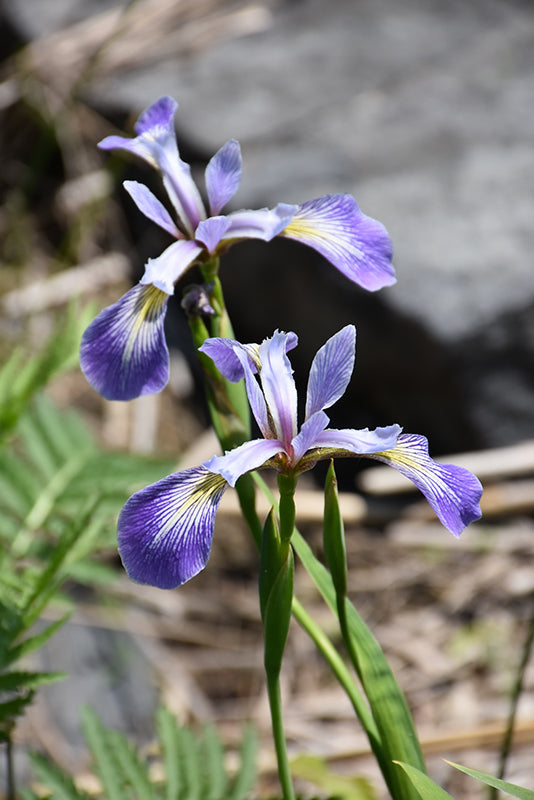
(357, 245)
(453, 492)
(123, 352)
(165, 530)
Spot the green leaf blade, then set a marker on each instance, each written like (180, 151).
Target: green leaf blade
(504, 786)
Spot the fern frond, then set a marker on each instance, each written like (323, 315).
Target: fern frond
(246, 776)
(24, 375)
(56, 779)
(215, 778)
(107, 766)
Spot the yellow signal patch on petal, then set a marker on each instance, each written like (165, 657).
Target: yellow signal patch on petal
(147, 308)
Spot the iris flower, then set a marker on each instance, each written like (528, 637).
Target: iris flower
(165, 530)
(124, 353)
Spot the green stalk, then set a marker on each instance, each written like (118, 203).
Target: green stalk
(275, 705)
(340, 671)
(276, 596)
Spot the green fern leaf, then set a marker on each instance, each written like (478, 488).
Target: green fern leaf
(246, 776)
(56, 779)
(18, 681)
(215, 778)
(105, 757)
(134, 770)
(169, 738)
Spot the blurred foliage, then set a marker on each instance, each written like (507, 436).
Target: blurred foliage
(24, 374)
(59, 496)
(193, 766)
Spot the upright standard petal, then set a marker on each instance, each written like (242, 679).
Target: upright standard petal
(123, 352)
(165, 530)
(223, 175)
(244, 458)
(210, 232)
(453, 492)
(306, 438)
(331, 370)
(357, 245)
(149, 205)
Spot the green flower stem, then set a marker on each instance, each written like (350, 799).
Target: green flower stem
(227, 401)
(276, 596)
(275, 705)
(327, 649)
(286, 486)
(388, 723)
(340, 671)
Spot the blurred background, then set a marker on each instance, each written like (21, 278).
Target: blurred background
(424, 111)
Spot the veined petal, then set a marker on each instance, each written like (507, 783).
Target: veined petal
(223, 353)
(158, 119)
(234, 362)
(182, 191)
(163, 271)
(210, 232)
(244, 458)
(156, 143)
(165, 530)
(331, 370)
(255, 395)
(149, 205)
(360, 442)
(278, 386)
(453, 492)
(123, 352)
(155, 133)
(357, 245)
(307, 436)
(223, 175)
(264, 223)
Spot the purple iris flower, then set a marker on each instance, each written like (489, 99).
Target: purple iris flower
(123, 352)
(165, 530)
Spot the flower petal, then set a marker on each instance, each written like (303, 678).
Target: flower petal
(123, 352)
(210, 232)
(223, 353)
(244, 458)
(163, 271)
(307, 436)
(156, 143)
(331, 370)
(264, 223)
(278, 386)
(149, 205)
(165, 530)
(155, 133)
(158, 119)
(357, 245)
(360, 442)
(453, 492)
(223, 175)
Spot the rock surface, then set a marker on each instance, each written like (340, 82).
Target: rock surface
(423, 111)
